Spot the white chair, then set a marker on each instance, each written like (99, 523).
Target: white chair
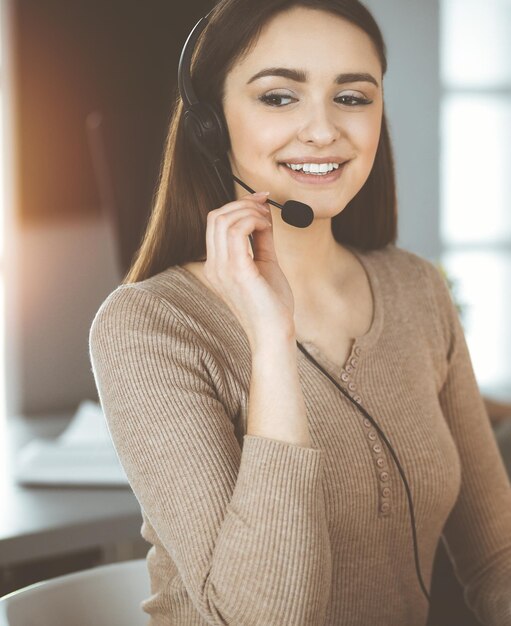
(108, 595)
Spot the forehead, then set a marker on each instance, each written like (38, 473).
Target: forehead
(310, 39)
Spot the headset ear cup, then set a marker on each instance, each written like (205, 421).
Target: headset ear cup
(205, 128)
(195, 134)
(224, 142)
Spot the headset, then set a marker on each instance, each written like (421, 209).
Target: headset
(205, 128)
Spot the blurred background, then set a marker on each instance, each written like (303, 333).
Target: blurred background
(86, 89)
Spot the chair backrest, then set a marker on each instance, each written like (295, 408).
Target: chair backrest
(101, 596)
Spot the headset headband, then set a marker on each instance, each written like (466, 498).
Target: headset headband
(184, 69)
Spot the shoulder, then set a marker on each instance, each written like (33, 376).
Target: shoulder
(148, 329)
(163, 292)
(157, 302)
(431, 282)
(406, 275)
(433, 302)
(405, 263)
(418, 286)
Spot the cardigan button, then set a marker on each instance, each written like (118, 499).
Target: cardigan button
(384, 476)
(352, 386)
(354, 361)
(377, 447)
(358, 351)
(385, 507)
(367, 423)
(345, 376)
(380, 462)
(358, 399)
(349, 368)
(386, 492)
(372, 435)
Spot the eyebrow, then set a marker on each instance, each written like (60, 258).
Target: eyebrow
(300, 76)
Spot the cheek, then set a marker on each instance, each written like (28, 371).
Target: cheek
(365, 133)
(239, 126)
(252, 136)
(374, 130)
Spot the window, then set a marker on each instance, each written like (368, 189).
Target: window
(475, 195)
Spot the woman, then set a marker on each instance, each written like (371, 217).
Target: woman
(267, 496)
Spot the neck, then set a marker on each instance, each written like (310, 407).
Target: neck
(314, 263)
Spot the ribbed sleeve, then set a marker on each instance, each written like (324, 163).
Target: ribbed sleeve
(478, 531)
(246, 527)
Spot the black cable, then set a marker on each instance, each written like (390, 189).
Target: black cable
(227, 195)
(215, 161)
(391, 450)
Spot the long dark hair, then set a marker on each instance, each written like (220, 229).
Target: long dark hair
(188, 187)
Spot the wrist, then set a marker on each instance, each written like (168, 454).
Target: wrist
(274, 343)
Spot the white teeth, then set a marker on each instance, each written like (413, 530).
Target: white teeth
(314, 168)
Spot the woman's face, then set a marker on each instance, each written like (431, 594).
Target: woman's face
(277, 119)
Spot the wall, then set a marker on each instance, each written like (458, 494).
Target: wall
(412, 93)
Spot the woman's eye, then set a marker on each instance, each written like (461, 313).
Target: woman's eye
(270, 100)
(354, 100)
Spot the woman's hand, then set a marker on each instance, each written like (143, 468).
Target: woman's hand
(255, 289)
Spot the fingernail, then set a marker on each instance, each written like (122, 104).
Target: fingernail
(262, 193)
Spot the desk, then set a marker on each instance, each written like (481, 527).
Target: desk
(42, 522)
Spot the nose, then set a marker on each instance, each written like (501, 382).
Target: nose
(320, 126)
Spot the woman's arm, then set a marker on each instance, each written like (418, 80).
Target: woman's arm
(245, 527)
(477, 533)
(276, 406)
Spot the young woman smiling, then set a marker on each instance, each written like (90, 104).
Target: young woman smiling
(267, 497)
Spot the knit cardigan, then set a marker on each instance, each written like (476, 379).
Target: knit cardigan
(246, 530)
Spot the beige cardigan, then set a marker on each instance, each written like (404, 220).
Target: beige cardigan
(247, 530)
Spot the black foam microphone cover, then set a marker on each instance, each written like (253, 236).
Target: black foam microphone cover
(297, 214)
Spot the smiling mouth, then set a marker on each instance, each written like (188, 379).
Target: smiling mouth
(314, 177)
(301, 168)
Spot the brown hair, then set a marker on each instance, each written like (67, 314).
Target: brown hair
(188, 187)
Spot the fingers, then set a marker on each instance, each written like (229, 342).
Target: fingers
(227, 232)
(232, 230)
(259, 198)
